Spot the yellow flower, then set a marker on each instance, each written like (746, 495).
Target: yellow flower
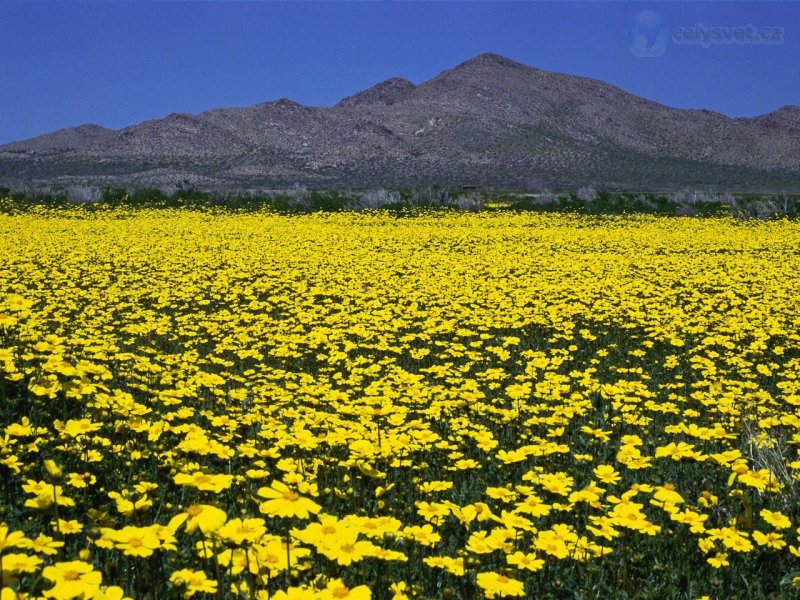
(345, 548)
(128, 507)
(501, 493)
(205, 517)
(424, 535)
(12, 539)
(511, 456)
(557, 483)
(496, 585)
(238, 531)
(79, 427)
(194, 581)
(69, 527)
(136, 541)
(398, 590)
(15, 302)
(694, 520)
(45, 495)
(707, 499)
(666, 494)
(771, 540)
(43, 544)
(80, 481)
(528, 562)
(205, 482)
(336, 589)
(775, 518)
(292, 593)
(719, 560)
(53, 469)
(550, 542)
(14, 563)
(758, 479)
(284, 502)
(484, 542)
(676, 451)
(607, 474)
(737, 541)
(112, 592)
(273, 555)
(533, 505)
(433, 512)
(73, 579)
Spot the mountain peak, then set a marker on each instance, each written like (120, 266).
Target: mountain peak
(489, 59)
(63, 139)
(485, 67)
(788, 109)
(384, 93)
(92, 128)
(786, 117)
(285, 103)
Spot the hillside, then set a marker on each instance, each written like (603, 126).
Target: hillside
(489, 121)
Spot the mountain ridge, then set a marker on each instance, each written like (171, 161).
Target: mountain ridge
(488, 121)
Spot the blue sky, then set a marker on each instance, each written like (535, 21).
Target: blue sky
(118, 63)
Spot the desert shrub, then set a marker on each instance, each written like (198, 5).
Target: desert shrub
(469, 202)
(375, 199)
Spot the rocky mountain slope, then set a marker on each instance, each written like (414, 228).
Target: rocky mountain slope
(488, 122)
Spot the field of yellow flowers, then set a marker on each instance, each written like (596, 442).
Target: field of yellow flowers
(252, 405)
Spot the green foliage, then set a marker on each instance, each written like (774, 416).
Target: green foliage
(401, 201)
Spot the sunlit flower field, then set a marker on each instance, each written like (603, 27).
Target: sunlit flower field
(252, 405)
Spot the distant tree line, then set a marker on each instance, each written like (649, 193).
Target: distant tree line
(299, 199)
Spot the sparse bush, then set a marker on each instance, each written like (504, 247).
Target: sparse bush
(115, 196)
(645, 203)
(587, 194)
(470, 202)
(148, 197)
(427, 197)
(763, 208)
(298, 198)
(83, 194)
(376, 199)
(546, 197)
(757, 207)
(686, 209)
(785, 204)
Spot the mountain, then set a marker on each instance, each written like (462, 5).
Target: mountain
(489, 121)
(63, 140)
(387, 92)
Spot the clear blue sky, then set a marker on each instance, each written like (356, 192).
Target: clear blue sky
(118, 63)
